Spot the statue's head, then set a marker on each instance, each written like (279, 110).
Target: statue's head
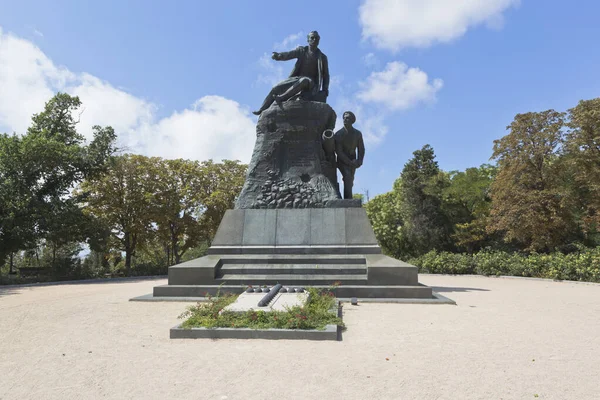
(313, 38)
(349, 118)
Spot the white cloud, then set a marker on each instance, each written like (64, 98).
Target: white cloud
(213, 127)
(370, 60)
(290, 42)
(272, 71)
(394, 24)
(370, 121)
(399, 87)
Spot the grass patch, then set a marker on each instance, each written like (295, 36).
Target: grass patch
(315, 314)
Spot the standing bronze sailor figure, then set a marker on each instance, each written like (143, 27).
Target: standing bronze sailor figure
(350, 151)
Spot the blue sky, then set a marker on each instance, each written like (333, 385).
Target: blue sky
(180, 79)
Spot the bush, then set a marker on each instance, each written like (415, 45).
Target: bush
(583, 265)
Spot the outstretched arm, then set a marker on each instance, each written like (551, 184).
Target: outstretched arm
(287, 55)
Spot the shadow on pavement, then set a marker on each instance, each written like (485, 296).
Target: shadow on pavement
(441, 289)
(8, 290)
(133, 279)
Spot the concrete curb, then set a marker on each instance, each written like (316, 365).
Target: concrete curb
(329, 333)
(437, 299)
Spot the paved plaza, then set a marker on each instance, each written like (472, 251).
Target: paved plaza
(505, 339)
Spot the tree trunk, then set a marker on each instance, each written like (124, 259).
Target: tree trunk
(11, 263)
(53, 254)
(127, 262)
(176, 252)
(128, 249)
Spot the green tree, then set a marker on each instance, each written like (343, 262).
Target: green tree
(385, 214)
(466, 202)
(426, 227)
(122, 200)
(176, 205)
(528, 200)
(39, 169)
(220, 185)
(582, 154)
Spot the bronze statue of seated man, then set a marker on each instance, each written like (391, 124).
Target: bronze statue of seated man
(309, 79)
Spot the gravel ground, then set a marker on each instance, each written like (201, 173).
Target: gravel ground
(505, 339)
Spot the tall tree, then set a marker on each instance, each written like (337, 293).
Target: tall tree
(220, 184)
(425, 225)
(122, 200)
(466, 201)
(582, 152)
(39, 169)
(176, 205)
(528, 200)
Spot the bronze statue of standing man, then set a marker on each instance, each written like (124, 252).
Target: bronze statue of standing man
(350, 150)
(309, 78)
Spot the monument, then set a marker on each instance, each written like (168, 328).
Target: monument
(290, 224)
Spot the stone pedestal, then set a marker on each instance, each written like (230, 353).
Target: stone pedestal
(297, 247)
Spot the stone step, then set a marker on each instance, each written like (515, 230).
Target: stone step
(271, 279)
(347, 291)
(292, 269)
(308, 259)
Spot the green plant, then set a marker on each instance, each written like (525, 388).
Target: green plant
(315, 314)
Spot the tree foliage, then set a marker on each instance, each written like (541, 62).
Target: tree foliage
(528, 199)
(582, 157)
(39, 169)
(159, 206)
(426, 227)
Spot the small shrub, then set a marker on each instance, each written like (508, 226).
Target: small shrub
(583, 265)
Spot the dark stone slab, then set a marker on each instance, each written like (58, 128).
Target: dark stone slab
(231, 228)
(293, 227)
(327, 226)
(343, 203)
(200, 271)
(384, 270)
(259, 227)
(358, 227)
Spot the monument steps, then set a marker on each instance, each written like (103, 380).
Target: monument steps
(311, 280)
(344, 291)
(291, 269)
(308, 259)
(246, 251)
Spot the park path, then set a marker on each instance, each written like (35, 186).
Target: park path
(505, 339)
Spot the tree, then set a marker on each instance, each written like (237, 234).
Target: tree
(39, 169)
(220, 184)
(528, 200)
(582, 156)
(385, 214)
(121, 200)
(176, 204)
(466, 202)
(425, 225)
